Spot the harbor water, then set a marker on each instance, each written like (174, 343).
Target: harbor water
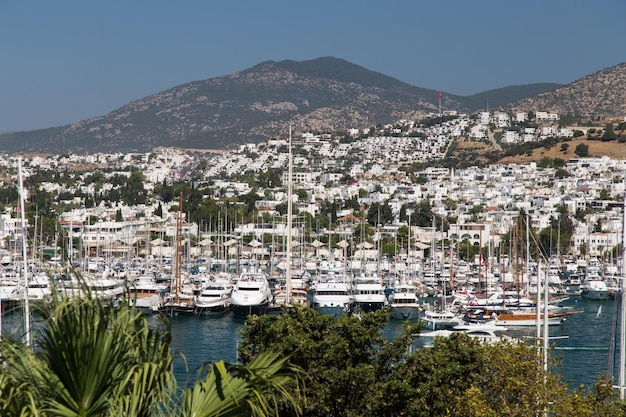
(583, 342)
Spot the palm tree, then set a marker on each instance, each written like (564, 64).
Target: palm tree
(93, 361)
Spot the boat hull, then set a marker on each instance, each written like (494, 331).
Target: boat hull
(369, 306)
(514, 320)
(405, 312)
(334, 310)
(240, 310)
(595, 295)
(212, 310)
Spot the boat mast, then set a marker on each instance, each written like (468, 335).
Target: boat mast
(178, 260)
(289, 224)
(546, 335)
(24, 258)
(622, 322)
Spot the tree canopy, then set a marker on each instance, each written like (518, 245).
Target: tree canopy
(352, 370)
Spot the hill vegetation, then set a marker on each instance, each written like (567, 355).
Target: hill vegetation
(321, 95)
(597, 96)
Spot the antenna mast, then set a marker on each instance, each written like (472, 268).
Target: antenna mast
(439, 96)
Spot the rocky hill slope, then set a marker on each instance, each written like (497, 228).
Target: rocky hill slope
(599, 95)
(320, 95)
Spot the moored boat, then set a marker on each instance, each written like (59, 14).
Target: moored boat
(440, 319)
(146, 294)
(251, 294)
(214, 298)
(332, 297)
(368, 293)
(404, 303)
(595, 289)
(507, 317)
(483, 335)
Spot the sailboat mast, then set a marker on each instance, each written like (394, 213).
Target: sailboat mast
(546, 338)
(178, 260)
(289, 224)
(24, 258)
(622, 322)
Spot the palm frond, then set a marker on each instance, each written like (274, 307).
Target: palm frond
(256, 389)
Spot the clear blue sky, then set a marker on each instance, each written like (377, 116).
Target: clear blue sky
(63, 61)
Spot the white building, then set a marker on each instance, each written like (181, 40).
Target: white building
(545, 116)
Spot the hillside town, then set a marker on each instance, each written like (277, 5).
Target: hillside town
(480, 204)
(336, 225)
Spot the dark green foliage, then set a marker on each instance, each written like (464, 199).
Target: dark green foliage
(609, 133)
(582, 150)
(249, 201)
(422, 214)
(347, 359)
(434, 121)
(352, 203)
(354, 372)
(379, 214)
(92, 360)
(561, 173)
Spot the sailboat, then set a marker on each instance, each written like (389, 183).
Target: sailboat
(181, 300)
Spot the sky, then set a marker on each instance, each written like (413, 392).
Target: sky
(67, 60)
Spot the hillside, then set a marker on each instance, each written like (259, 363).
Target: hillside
(321, 95)
(599, 95)
(597, 148)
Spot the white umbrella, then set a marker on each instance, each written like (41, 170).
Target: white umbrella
(316, 243)
(343, 244)
(255, 243)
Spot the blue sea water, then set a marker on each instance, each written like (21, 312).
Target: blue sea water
(582, 342)
(587, 351)
(202, 340)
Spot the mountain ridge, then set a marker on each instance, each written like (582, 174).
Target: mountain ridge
(320, 95)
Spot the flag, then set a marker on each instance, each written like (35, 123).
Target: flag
(439, 95)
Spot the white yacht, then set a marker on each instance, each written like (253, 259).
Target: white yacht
(369, 293)
(251, 294)
(214, 297)
(440, 319)
(109, 291)
(403, 302)
(595, 289)
(332, 296)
